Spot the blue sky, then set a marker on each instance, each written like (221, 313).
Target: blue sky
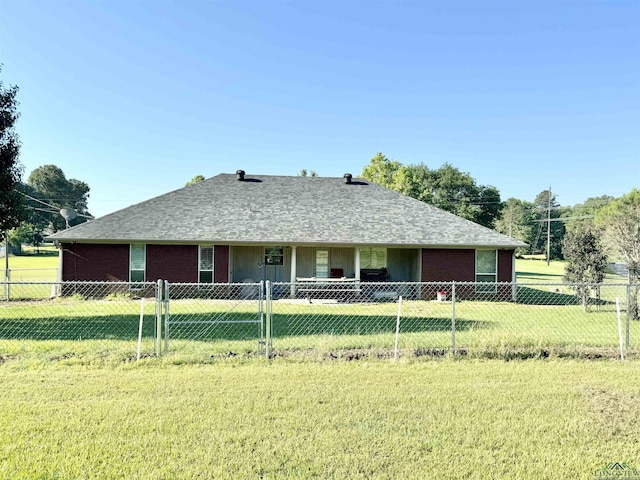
(137, 97)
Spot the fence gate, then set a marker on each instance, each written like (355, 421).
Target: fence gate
(214, 319)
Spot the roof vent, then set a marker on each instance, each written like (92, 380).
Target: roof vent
(347, 178)
(240, 175)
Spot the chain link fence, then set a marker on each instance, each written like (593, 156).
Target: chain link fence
(479, 319)
(319, 319)
(214, 319)
(79, 320)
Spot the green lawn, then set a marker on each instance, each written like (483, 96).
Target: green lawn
(32, 267)
(74, 404)
(371, 419)
(531, 270)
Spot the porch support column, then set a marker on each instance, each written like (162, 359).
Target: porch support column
(356, 263)
(293, 271)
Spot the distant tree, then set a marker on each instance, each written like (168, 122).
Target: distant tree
(50, 185)
(585, 262)
(11, 211)
(382, 171)
(447, 188)
(25, 233)
(305, 173)
(620, 220)
(583, 214)
(516, 220)
(194, 180)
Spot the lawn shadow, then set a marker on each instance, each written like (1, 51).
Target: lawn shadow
(534, 296)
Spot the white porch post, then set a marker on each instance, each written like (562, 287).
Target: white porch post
(293, 271)
(356, 263)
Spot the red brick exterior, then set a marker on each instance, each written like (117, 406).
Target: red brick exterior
(447, 265)
(85, 262)
(221, 263)
(505, 265)
(175, 263)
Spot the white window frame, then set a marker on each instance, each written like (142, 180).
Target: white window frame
(315, 270)
(131, 269)
(213, 260)
(493, 287)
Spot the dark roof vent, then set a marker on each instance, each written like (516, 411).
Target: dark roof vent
(347, 178)
(240, 175)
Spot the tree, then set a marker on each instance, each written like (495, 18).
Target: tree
(620, 220)
(585, 262)
(194, 180)
(24, 233)
(50, 185)
(382, 171)
(305, 173)
(447, 188)
(583, 214)
(516, 220)
(11, 211)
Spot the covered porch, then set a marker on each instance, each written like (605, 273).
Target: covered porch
(335, 264)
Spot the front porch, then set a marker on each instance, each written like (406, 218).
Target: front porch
(320, 264)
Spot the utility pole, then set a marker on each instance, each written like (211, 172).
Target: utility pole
(549, 230)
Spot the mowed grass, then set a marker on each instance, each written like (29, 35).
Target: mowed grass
(90, 331)
(32, 267)
(371, 419)
(536, 270)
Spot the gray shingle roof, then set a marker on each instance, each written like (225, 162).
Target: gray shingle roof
(282, 210)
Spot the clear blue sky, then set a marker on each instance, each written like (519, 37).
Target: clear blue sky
(137, 97)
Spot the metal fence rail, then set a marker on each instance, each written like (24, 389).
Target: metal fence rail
(318, 319)
(74, 318)
(209, 316)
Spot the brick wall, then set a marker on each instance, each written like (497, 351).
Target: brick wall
(221, 263)
(87, 262)
(505, 265)
(175, 263)
(446, 265)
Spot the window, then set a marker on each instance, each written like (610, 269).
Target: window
(374, 257)
(205, 265)
(322, 263)
(486, 270)
(137, 262)
(274, 256)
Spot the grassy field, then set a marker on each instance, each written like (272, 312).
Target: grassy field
(372, 419)
(212, 408)
(32, 267)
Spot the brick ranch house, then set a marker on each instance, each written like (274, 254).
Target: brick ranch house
(240, 228)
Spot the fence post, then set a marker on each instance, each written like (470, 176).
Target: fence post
(453, 317)
(158, 332)
(628, 315)
(164, 301)
(268, 325)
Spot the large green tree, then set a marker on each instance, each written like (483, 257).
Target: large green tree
(446, 187)
(620, 220)
(586, 262)
(11, 211)
(516, 219)
(583, 214)
(50, 185)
